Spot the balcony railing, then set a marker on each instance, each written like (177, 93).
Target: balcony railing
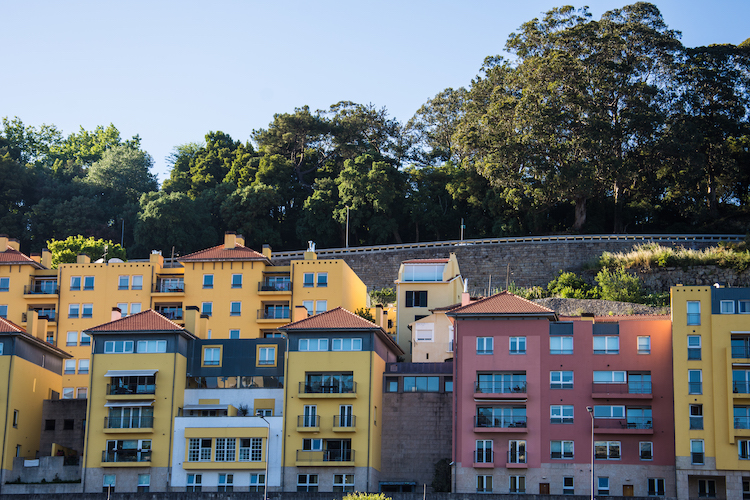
(349, 387)
(624, 423)
(741, 351)
(143, 422)
(160, 287)
(43, 313)
(126, 456)
(275, 286)
(515, 457)
(634, 387)
(500, 387)
(484, 457)
(273, 313)
(344, 421)
(173, 313)
(500, 422)
(114, 390)
(742, 422)
(308, 420)
(325, 456)
(42, 288)
(740, 387)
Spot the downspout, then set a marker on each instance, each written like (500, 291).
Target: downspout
(456, 360)
(282, 465)
(369, 411)
(7, 408)
(87, 442)
(171, 415)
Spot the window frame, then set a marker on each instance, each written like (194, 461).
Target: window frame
(692, 349)
(692, 384)
(208, 353)
(561, 383)
(518, 349)
(696, 444)
(308, 280)
(237, 280)
(608, 349)
(88, 283)
(262, 355)
(727, 309)
(642, 447)
(208, 281)
(416, 298)
(485, 346)
(561, 418)
(561, 349)
(207, 308)
(321, 283)
(643, 344)
(656, 487)
(563, 453)
(123, 282)
(694, 317)
(235, 308)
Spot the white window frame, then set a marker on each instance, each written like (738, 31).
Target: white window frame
(693, 308)
(557, 414)
(609, 411)
(611, 344)
(349, 344)
(743, 449)
(211, 356)
(118, 347)
(71, 339)
(484, 483)
(88, 282)
(517, 345)
(643, 446)
(207, 308)
(726, 307)
(235, 308)
(691, 389)
(267, 355)
(697, 345)
(309, 305)
(237, 281)
(485, 345)
(74, 310)
(123, 282)
(561, 344)
(87, 310)
(697, 447)
(343, 483)
(566, 449)
(75, 283)
(312, 345)
(557, 379)
(151, 346)
(656, 487)
(70, 367)
(208, 281)
(424, 332)
(135, 307)
(324, 282)
(517, 484)
(308, 280)
(744, 306)
(644, 344)
(136, 282)
(234, 334)
(83, 366)
(569, 485)
(602, 485)
(321, 306)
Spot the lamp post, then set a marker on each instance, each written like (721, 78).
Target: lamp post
(591, 412)
(265, 481)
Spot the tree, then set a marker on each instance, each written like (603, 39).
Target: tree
(619, 285)
(125, 171)
(431, 130)
(66, 251)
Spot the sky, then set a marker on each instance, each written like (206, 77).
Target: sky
(171, 71)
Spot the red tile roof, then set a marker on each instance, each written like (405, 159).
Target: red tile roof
(503, 303)
(217, 253)
(426, 261)
(9, 327)
(11, 256)
(335, 319)
(146, 321)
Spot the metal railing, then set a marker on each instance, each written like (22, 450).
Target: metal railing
(639, 387)
(126, 456)
(275, 286)
(131, 389)
(741, 387)
(340, 388)
(325, 456)
(500, 422)
(344, 421)
(624, 423)
(170, 312)
(741, 423)
(740, 352)
(308, 420)
(160, 287)
(516, 457)
(142, 422)
(491, 387)
(273, 314)
(42, 288)
(484, 457)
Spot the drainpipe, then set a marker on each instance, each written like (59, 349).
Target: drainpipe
(369, 412)
(86, 440)
(7, 409)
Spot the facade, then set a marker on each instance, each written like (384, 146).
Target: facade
(334, 402)
(711, 344)
(525, 381)
(432, 337)
(422, 285)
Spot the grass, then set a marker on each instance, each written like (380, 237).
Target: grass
(729, 255)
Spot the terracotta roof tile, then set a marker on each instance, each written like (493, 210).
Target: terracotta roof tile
(503, 303)
(239, 252)
(12, 328)
(146, 321)
(445, 308)
(335, 319)
(12, 256)
(9, 327)
(426, 261)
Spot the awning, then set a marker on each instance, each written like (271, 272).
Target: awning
(205, 407)
(123, 404)
(130, 373)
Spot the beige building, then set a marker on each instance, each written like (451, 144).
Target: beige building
(432, 337)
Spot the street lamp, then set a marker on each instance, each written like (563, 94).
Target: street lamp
(591, 412)
(259, 413)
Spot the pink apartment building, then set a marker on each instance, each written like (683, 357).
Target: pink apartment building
(529, 386)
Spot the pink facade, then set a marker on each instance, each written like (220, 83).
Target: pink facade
(521, 420)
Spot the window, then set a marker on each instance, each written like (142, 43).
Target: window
(501, 382)
(607, 450)
(75, 283)
(416, 299)
(424, 332)
(4, 283)
(696, 451)
(421, 384)
(251, 449)
(123, 283)
(313, 344)
(560, 344)
(199, 450)
(743, 446)
(726, 307)
(135, 308)
(144, 481)
(517, 345)
(207, 308)
(307, 482)
(73, 310)
(236, 281)
(561, 380)
(501, 416)
(72, 338)
(323, 282)
(655, 486)
(695, 382)
(234, 334)
(308, 280)
(696, 417)
(69, 393)
(152, 346)
(212, 356)
(391, 384)
(83, 366)
(310, 418)
(88, 310)
(423, 272)
(1, 348)
(4, 311)
(257, 482)
(225, 450)
(517, 452)
(330, 383)
(82, 392)
(49, 425)
(484, 345)
(646, 450)
(707, 488)
(88, 282)
(484, 484)
(561, 449)
(609, 411)
(343, 482)
(137, 282)
(235, 308)
(266, 355)
(208, 281)
(127, 450)
(694, 347)
(744, 307)
(15, 418)
(194, 482)
(644, 345)
(85, 339)
(347, 344)
(130, 417)
(108, 483)
(321, 306)
(693, 312)
(448, 384)
(606, 344)
(602, 486)
(568, 488)
(518, 484)
(309, 305)
(741, 417)
(118, 346)
(561, 414)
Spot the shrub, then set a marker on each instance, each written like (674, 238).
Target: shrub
(366, 496)
(365, 313)
(619, 285)
(569, 286)
(384, 296)
(441, 480)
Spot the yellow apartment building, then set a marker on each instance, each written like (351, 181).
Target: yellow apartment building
(432, 337)
(333, 402)
(711, 352)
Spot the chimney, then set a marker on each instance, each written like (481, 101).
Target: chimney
(3, 242)
(156, 258)
(300, 313)
(194, 321)
(465, 297)
(41, 329)
(83, 259)
(116, 314)
(46, 258)
(32, 322)
(36, 257)
(310, 252)
(14, 244)
(230, 240)
(267, 251)
(379, 316)
(240, 240)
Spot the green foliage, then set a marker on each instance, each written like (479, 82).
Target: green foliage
(365, 313)
(732, 256)
(619, 285)
(534, 292)
(67, 251)
(441, 479)
(569, 286)
(383, 296)
(366, 496)
(125, 171)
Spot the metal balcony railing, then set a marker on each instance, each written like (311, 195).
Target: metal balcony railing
(624, 423)
(347, 387)
(741, 423)
(344, 421)
(308, 421)
(516, 457)
(484, 457)
(168, 287)
(142, 422)
(131, 389)
(500, 422)
(173, 313)
(325, 456)
(741, 351)
(696, 388)
(273, 313)
(42, 288)
(274, 286)
(491, 387)
(741, 387)
(126, 456)
(633, 387)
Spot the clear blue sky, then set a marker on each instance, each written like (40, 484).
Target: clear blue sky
(173, 70)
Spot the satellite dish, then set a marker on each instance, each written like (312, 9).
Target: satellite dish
(115, 259)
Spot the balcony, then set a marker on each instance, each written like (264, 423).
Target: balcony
(274, 313)
(740, 352)
(629, 425)
(345, 423)
(500, 424)
(516, 460)
(484, 459)
(625, 390)
(43, 313)
(130, 389)
(308, 423)
(325, 457)
(129, 423)
(171, 313)
(120, 457)
(347, 389)
(508, 390)
(169, 286)
(270, 285)
(741, 387)
(47, 287)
